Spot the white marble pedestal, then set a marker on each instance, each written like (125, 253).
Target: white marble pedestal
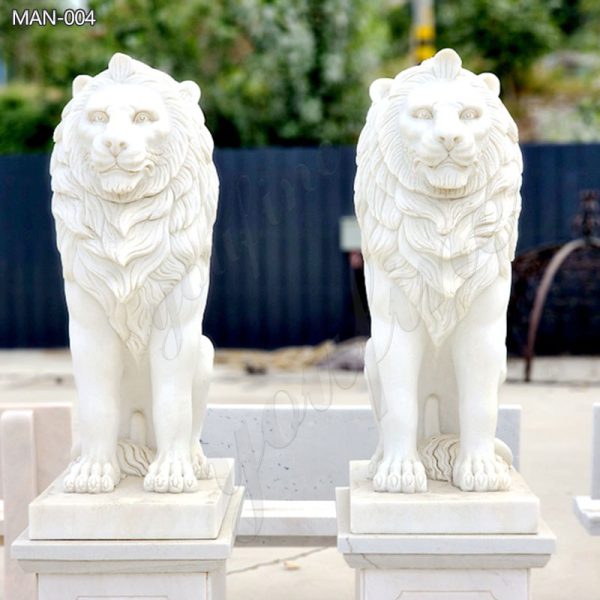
(187, 568)
(441, 566)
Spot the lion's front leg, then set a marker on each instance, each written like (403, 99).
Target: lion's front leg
(371, 371)
(479, 354)
(394, 358)
(172, 469)
(97, 354)
(175, 350)
(200, 387)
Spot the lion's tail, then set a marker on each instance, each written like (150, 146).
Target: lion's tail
(439, 452)
(133, 455)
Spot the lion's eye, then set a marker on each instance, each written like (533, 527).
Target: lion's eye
(98, 116)
(142, 117)
(469, 114)
(423, 113)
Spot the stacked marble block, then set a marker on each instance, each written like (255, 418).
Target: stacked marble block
(444, 544)
(131, 543)
(587, 508)
(31, 457)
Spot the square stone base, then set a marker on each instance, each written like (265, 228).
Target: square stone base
(132, 569)
(443, 509)
(441, 566)
(130, 513)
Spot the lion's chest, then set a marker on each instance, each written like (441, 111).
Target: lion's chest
(123, 273)
(446, 255)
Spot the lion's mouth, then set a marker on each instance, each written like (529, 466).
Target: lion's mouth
(447, 174)
(448, 177)
(123, 176)
(452, 162)
(117, 168)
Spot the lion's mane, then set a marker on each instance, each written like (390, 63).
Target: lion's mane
(130, 255)
(440, 251)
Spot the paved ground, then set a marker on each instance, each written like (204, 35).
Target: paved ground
(555, 456)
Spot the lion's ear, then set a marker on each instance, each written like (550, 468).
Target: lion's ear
(380, 89)
(492, 82)
(190, 91)
(79, 84)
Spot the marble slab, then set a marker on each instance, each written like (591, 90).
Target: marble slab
(443, 509)
(93, 554)
(291, 441)
(440, 551)
(587, 510)
(288, 519)
(130, 513)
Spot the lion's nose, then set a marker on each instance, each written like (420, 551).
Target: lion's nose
(115, 144)
(449, 140)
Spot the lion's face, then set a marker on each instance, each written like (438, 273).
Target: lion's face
(442, 131)
(124, 128)
(445, 127)
(127, 131)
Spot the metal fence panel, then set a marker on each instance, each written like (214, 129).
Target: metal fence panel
(278, 275)
(32, 305)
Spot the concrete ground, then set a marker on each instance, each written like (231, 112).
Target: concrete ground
(555, 461)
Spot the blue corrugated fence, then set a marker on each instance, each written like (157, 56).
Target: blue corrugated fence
(278, 276)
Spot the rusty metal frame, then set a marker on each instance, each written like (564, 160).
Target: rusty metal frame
(587, 220)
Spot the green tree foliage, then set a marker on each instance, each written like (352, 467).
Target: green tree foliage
(584, 37)
(50, 55)
(272, 71)
(324, 55)
(503, 36)
(569, 15)
(28, 115)
(287, 72)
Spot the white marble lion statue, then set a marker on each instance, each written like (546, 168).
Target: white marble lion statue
(437, 195)
(134, 198)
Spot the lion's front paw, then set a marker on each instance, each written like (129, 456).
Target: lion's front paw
(400, 473)
(202, 468)
(88, 475)
(171, 472)
(480, 472)
(375, 461)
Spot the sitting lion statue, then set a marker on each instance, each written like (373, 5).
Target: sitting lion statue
(134, 198)
(437, 199)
